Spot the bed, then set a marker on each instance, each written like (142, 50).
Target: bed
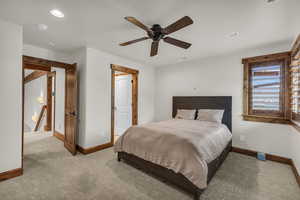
(189, 173)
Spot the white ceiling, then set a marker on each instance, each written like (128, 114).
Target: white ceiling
(100, 24)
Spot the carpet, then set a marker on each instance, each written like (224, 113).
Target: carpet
(52, 173)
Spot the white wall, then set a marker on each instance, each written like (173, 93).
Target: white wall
(223, 75)
(11, 96)
(32, 90)
(294, 146)
(97, 91)
(35, 51)
(79, 57)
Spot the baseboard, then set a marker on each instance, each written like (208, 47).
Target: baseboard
(59, 135)
(244, 151)
(11, 174)
(279, 159)
(94, 149)
(270, 157)
(295, 172)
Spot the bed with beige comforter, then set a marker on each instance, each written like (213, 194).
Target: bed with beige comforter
(184, 146)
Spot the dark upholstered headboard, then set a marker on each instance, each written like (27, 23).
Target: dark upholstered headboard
(205, 102)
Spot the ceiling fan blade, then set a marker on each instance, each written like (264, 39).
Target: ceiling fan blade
(177, 43)
(137, 23)
(133, 41)
(154, 48)
(181, 23)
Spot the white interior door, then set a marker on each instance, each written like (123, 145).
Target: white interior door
(123, 103)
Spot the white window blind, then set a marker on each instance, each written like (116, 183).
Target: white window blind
(266, 88)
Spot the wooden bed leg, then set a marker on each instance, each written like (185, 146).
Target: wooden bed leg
(196, 195)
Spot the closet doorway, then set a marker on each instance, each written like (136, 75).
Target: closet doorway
(124, 100)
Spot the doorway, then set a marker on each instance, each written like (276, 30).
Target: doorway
(124, 100)
(37, 89)
(56, 112)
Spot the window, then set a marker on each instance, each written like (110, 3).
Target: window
(295, 88)
(266, 88)
(295, 84)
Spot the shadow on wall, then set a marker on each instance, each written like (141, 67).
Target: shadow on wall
(27, 128)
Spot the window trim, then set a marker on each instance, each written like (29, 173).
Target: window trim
(295, 57)
(285, 57)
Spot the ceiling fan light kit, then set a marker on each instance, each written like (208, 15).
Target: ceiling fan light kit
(156, 33)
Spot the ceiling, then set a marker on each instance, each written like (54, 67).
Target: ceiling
(101, 25)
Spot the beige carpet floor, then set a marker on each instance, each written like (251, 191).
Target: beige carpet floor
(51, 173)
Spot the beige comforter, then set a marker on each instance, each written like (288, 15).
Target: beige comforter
(184, 146)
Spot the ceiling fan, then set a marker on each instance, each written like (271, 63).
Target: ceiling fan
(156, 33)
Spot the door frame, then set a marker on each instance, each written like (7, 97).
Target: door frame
(33, 63)
(52, 74)
(134, 73)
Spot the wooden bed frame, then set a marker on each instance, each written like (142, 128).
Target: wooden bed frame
(199, 102)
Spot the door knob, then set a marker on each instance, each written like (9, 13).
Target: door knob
(72, 113)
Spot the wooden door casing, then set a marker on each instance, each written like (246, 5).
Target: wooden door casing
(134, 73)
(135, 99)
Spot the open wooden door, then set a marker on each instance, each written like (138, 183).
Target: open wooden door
(71, 109)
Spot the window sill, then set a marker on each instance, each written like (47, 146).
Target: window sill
(296, 126)
(266, 119)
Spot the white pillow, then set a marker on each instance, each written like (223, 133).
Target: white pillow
(210, 115)
(185, 114)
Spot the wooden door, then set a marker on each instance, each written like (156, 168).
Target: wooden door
(123, 102)
(71, 109)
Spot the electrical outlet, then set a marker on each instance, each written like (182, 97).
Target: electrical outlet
(261, 156)
(242, 138)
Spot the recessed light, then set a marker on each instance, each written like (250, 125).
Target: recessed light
(42, 27)
(51, 44)
(57, 13)
(233, 34)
